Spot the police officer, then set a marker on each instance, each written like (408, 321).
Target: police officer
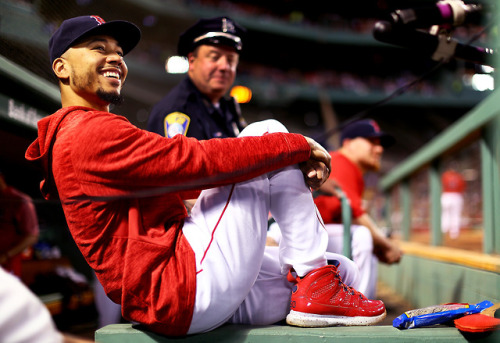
(197, 107)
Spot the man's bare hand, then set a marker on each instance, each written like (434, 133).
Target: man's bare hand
(317, 169)
(388, 253)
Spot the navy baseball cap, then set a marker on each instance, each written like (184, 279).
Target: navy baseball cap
(74, 29)
(367, 128)
(213, 31)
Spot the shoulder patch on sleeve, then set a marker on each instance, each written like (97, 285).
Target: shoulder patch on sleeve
(176, 123)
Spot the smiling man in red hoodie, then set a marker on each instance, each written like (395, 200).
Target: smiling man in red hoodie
(122, 188)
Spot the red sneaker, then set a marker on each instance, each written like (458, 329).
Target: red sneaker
(321, 299)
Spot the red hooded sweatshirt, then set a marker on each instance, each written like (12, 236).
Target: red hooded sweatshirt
(120, 191)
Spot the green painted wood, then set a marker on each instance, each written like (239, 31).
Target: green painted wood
(406, 208)
(495, 130)
(424, 282)
(126, 333)
(346, 220)
(490, 173)
(487, 184)
(435, 203)
(387, 210)
(30, 80)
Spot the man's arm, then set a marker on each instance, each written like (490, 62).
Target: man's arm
(329, 188)
(385, 249)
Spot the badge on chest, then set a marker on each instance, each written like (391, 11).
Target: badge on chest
(176, 123)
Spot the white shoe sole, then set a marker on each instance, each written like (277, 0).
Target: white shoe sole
(309, 320)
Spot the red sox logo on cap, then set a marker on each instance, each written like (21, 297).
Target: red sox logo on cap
(375, 125)
(99, 20)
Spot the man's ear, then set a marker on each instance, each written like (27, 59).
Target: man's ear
(191, 57)
(60, 68)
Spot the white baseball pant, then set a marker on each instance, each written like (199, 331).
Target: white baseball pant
(451, 213)
(239, 279)
(362, 254)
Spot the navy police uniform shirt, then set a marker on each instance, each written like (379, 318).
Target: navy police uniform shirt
(184, 110)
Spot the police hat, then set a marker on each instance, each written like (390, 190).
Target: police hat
(213, 31)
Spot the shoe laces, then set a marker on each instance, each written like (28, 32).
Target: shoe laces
(348, 289)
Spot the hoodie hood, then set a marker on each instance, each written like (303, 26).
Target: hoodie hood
(40, 151)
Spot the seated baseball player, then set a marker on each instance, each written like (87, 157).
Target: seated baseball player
(122, 188)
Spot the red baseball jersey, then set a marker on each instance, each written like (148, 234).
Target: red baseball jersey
(112, 180)
(350, 179)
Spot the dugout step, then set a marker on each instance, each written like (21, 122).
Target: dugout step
(128, 333)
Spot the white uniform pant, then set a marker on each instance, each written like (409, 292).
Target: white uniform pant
(362, 254)
(238, 279)
(109, 312)
(451, 213)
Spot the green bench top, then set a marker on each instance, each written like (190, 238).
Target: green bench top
(125, 333)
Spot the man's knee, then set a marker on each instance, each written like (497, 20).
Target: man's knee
(262, 127)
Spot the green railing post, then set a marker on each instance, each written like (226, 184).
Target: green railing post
(491, 183)
(495, 137)
(388, 210)
(406, 207)
(486, 176)
(435, 202)
(346, 220)
(495, 129)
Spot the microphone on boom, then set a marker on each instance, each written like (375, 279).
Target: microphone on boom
(448, 13)
(439, 47)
